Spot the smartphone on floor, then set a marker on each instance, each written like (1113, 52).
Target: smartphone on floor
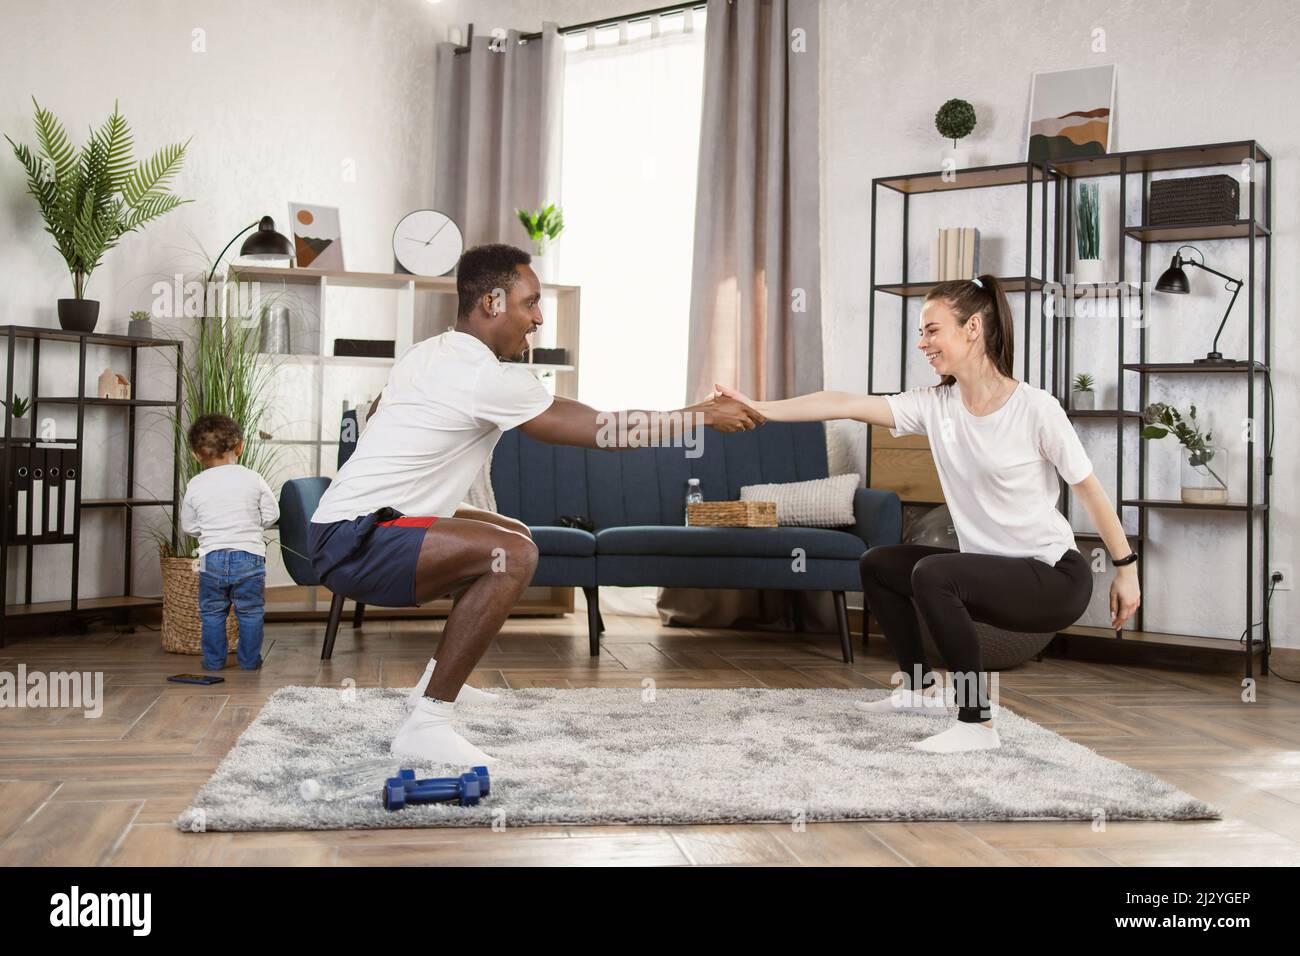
(196, 679)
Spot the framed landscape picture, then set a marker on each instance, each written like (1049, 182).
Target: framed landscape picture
(317, 241)
(1071, 113)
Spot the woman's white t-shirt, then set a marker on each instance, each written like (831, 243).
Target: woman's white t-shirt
(998, 471)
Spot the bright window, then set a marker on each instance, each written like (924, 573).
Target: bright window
(631, 140)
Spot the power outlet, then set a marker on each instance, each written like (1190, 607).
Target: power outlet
(1287, 577)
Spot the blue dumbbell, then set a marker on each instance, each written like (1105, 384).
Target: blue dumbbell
(407, 776)
(467, 789)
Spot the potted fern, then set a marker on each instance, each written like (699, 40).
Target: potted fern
(954, 120)
(1204, 465)
(90, 198)
(18, 406)
(1087, 236)
(543, 227)
(1084, 397)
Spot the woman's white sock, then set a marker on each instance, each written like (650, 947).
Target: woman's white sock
(960, 738)
(467, 694)
(427, 736)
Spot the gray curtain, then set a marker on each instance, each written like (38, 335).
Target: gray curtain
(755, 319)
(498, 115)
(756, 289)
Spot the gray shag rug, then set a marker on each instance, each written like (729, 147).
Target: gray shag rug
(316, 758)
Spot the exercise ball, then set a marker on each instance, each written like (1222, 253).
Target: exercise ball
(934, 528)
(999, 648)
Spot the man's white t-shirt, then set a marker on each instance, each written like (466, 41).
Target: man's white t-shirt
(998, 471)
(447, 401)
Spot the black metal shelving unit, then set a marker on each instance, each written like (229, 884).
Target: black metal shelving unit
(1254, 228)
(1032, 177)
(45, 469)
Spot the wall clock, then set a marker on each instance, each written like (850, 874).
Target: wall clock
(427, 243)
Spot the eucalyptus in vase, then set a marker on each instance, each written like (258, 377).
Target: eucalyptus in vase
(1204, 468)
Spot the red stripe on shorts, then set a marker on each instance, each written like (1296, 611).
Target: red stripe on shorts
(409, 521)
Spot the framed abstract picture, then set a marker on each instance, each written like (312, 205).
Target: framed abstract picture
(317, 241)
(1071, 113)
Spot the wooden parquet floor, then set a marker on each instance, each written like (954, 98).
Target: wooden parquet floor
(81, 792)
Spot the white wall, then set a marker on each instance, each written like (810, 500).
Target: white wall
(282, 98)
(1188, 73)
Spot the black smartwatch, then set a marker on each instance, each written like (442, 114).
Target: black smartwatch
(1127, 559)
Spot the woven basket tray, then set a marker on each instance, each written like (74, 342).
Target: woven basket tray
(1194, 199)
(182, 627)
(732, 514)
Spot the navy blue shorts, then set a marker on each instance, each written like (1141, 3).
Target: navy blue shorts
(370, 559)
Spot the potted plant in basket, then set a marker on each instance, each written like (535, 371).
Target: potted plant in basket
(1204, 471)
(90, 198)
(225, 374)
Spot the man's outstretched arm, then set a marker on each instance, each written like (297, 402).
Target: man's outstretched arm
(566, 422)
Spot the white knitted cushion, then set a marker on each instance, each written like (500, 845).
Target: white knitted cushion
(820, 503)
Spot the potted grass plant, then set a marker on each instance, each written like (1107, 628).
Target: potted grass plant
(1087, 236)
(1204, 470)
(227, 374)
(90, 198)
(1084, 398)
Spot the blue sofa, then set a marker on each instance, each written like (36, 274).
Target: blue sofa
(636, 500)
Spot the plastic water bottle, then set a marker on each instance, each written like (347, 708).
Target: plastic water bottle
(694, 496)
(366, 777)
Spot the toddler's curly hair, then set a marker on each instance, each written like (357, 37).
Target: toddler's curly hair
(212, 436)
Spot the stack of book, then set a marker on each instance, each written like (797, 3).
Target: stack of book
(956, 253)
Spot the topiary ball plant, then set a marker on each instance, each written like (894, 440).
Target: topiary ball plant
(955, 119)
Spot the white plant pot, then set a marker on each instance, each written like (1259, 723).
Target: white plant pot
(1084, 401)
(1088, 271)
(19, 427)
(956, 158)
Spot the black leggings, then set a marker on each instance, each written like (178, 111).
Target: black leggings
(953, 589)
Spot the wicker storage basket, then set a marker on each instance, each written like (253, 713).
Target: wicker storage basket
(732, 514)
(182, 627)
(1194, 199)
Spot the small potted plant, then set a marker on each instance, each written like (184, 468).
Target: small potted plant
(955, 120)
(1087, 236)
(543, 227)
(91, 198)
(140, 326)
(18, 407)
(1084, 397)
(1204, 472)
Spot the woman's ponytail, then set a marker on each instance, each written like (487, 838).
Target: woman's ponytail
(985, 295)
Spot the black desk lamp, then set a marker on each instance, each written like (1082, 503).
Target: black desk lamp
(265, 245)
(1174, 280)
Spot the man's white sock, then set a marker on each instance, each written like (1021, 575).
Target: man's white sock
(961, 738)
(427, 736)
(903, 700)
(467, 694)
